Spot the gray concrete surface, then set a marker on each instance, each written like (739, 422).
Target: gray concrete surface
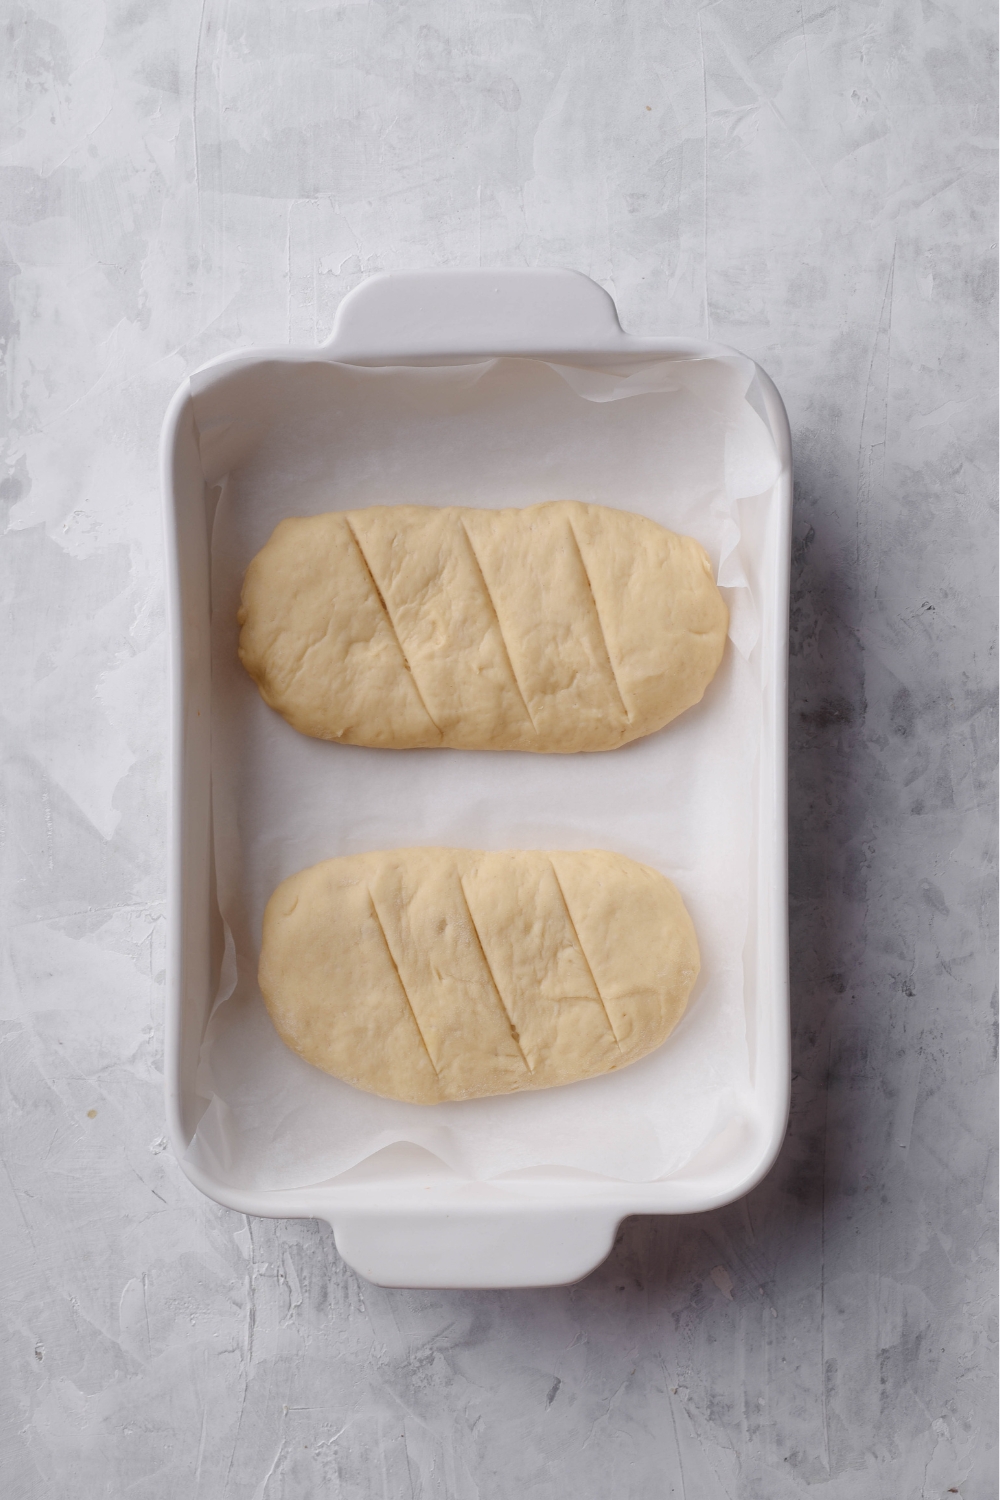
(812, 183)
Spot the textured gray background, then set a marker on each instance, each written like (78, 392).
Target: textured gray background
(811, 182)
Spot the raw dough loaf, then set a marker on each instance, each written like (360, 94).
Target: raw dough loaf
(432, 974)
(560, 627)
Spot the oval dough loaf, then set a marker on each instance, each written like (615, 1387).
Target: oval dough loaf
(560, 627)
(433, 974)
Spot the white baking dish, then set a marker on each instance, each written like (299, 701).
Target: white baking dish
(399, 1218)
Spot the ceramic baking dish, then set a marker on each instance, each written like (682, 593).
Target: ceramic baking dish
(399, 1222)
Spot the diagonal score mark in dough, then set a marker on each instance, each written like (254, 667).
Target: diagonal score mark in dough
(583, 955)
(503, 639)
(385, 610)
(600, 623)
(496, 987)
(402, 986)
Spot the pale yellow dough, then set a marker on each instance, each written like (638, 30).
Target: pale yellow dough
(560, 627)
(434, 974)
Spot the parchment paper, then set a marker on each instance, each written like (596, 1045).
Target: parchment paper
(680, 441)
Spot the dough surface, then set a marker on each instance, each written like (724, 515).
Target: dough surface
(434, 974)
(560, 627)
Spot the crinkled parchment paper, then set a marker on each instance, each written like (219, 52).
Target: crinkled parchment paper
(680, 441)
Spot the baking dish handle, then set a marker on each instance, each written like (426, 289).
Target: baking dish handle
(474, 1246)
(433, 314)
